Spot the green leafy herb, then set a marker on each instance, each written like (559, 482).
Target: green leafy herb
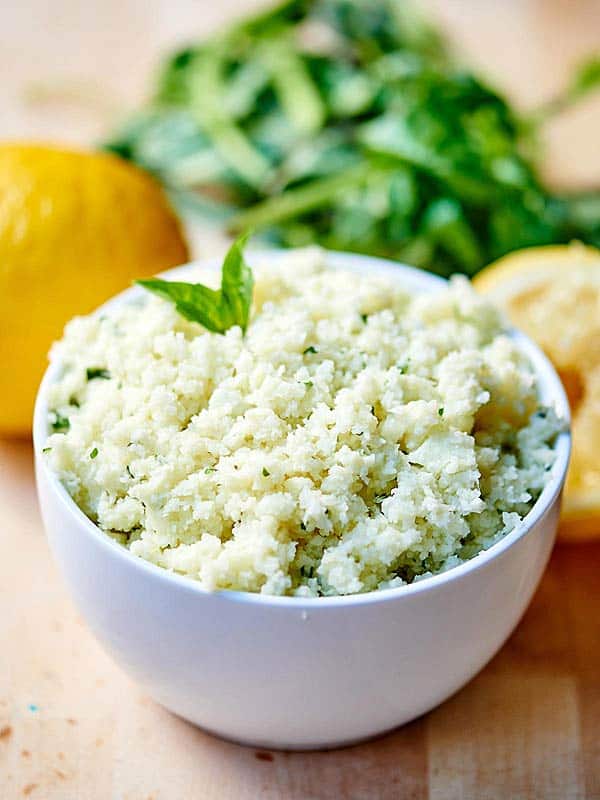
(129, 472)
(209, 470)
(364, 318)
(94, 453)
(403, 368)
(46, 449)
(97, 372)
(308, 350)
(440, 412)
(367, 137)
(60, 423)
(308, 384)
(265, 472)
(217, 310)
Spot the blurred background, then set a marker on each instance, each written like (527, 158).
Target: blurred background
(73, 70)
(450, 134)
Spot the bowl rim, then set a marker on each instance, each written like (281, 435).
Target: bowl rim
(551, 390)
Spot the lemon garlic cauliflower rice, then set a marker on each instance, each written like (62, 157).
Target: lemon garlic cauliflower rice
(356, 438)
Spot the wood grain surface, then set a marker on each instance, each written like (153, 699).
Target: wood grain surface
(72, 725)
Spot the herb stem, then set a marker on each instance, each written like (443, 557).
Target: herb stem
(298, 201)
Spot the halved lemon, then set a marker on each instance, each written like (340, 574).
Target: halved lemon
(553, 294)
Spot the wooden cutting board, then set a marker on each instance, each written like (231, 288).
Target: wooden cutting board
(74, 727)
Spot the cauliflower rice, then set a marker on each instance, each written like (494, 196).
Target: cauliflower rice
(356, 438)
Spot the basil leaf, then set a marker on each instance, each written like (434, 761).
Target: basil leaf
(193, 301)
(216, 310)
(237, 283)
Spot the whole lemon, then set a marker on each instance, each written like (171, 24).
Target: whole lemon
(75, 228)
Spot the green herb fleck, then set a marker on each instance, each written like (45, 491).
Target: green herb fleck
(97, 372)
(403, 368)
(130, 473)
(307, 571)
(73, 401)
(208, 470)
(302, 526)
(441, 412)
(310, 349)
(364, 318)
(60, 423)
(217, 310)
(94, 453)
(308, 384)
(46, 449)
(265, 472)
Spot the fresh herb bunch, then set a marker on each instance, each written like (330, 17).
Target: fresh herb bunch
(346, 122)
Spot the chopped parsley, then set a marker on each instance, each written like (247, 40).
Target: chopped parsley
(364, 318)
(310, 349)
(97, 372)
(265, 472)
(60, 423)
(94, 453)
(130, 473)
(441, 412)
(308, 384)
(46, 449)
(208, 470)
(403, 368)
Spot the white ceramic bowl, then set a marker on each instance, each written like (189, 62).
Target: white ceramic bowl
(293, 673)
